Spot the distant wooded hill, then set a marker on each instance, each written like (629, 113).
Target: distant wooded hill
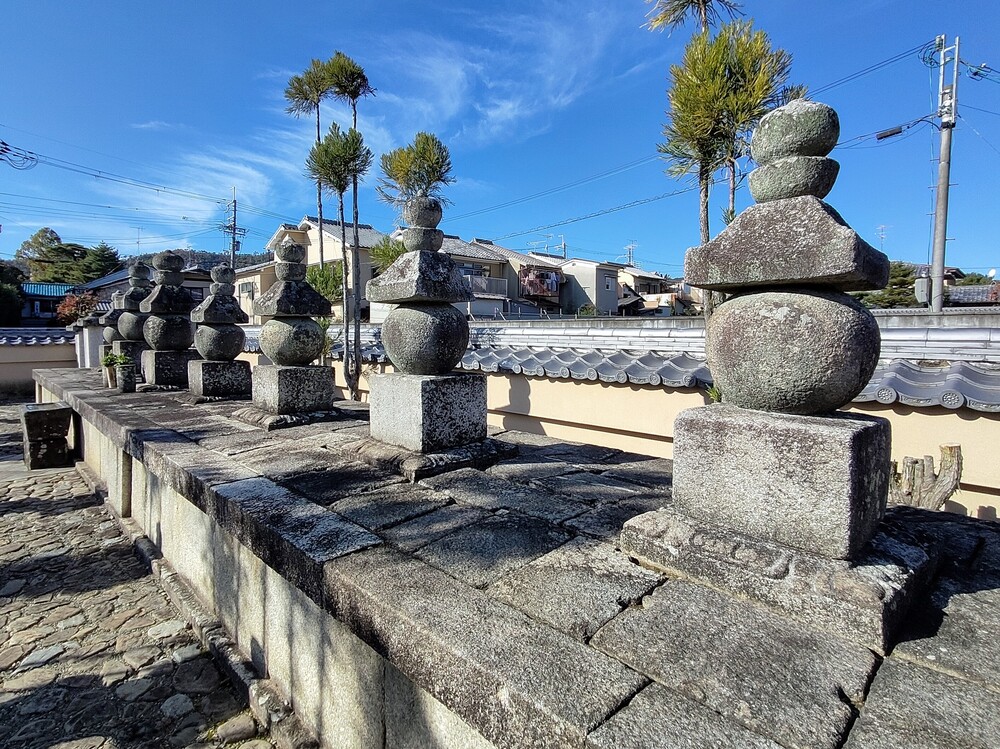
(207, 260)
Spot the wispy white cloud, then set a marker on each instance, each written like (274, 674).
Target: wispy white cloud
(155, 125)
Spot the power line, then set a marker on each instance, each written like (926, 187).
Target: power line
(871, 68)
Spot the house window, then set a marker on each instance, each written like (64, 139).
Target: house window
(197, 293)
(607, 283)
(246, 289)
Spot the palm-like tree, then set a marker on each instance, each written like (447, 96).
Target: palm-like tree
(757, 74)
(304, 94)
(670, 14)
(350, 83)
(335, 162)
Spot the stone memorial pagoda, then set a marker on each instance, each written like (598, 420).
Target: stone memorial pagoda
(110, 320)
(291, 390)
(131, 320)
(423, 406)
(219, 339)
(168, 329)
(777, 496)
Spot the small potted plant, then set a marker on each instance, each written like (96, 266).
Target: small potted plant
(108, 362)
(125, 374)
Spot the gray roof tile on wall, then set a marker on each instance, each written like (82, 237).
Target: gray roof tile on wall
(35, 336)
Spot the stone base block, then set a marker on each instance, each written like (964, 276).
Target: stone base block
(865, 600)
(229, 379)
(428, 413)
(52, 452)
(45, 420)
(814, 483)
(133, 350)
(290, 390)
(168, 368)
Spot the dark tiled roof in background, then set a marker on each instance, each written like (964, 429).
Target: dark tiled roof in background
(514, 255)
(117, 277)
(953, 385)
(52, 290)
(367, 235)
(456, 246)
(988, 293)
(35, 336)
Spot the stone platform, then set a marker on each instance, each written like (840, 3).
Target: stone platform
(493, 608)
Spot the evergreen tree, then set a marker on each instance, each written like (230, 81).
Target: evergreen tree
(10, 305)
(897, 293)
(11, 275)
(100, 261)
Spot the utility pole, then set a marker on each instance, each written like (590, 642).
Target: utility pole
(234, 231)
(630, 253)
(562, 242)
(948, 112)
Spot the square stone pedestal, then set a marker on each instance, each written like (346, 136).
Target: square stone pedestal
(219, 379)
(425, 413)
(290, 390)
(167, 368)
(813, 483)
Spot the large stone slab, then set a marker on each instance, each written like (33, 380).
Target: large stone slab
(956, 632)
(790, 242)
(425, 529)
(517, 682)
(661, 719)
(483, 552)
(291, 390)
(777, 678)
(426, 413)
(866, 600)
(817, 484)
(577, 588)
(909, 706)
(479, 489)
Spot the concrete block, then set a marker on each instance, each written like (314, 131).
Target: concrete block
(428, 412)
(227, 379)
(289, 390)
(818, 484)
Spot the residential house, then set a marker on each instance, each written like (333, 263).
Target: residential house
(533, 282)
(41, 301)
(590, 283)
(973, 295)
(254, 280)
(196, 280)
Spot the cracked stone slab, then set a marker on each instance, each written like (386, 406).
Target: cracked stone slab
(776, 677)
(653, 473)
(415, 466)
(577, 588)
(588, 487)
(956, 632)
(338, 480)
(482, 553)
(910, 706)
(605, 521)
(419, 532)
(388, 506)
(504, 674)
(526, 468)
(866, 600)
(479, 489)
(661, 719)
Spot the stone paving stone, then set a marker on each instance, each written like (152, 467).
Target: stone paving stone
(652, 473)
(658, 718)
(478, 489)
(605, 521)
(500, 671)
(957, 632)
(63, 680)
(910, 706)
(526, 468)
(485, 551)
(577, 588)
(338, 479)
(779, 679)
(588, 487)
(419, 532)
(387, 507)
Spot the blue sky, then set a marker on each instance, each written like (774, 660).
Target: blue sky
(565, 99)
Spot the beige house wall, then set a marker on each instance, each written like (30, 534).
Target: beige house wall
(16, 363)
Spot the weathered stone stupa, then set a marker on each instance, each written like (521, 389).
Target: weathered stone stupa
(219, 339)
(131, 320)
(168, 329)
(423, 406)
(110, 320)
(778, 497)
(292, 339)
